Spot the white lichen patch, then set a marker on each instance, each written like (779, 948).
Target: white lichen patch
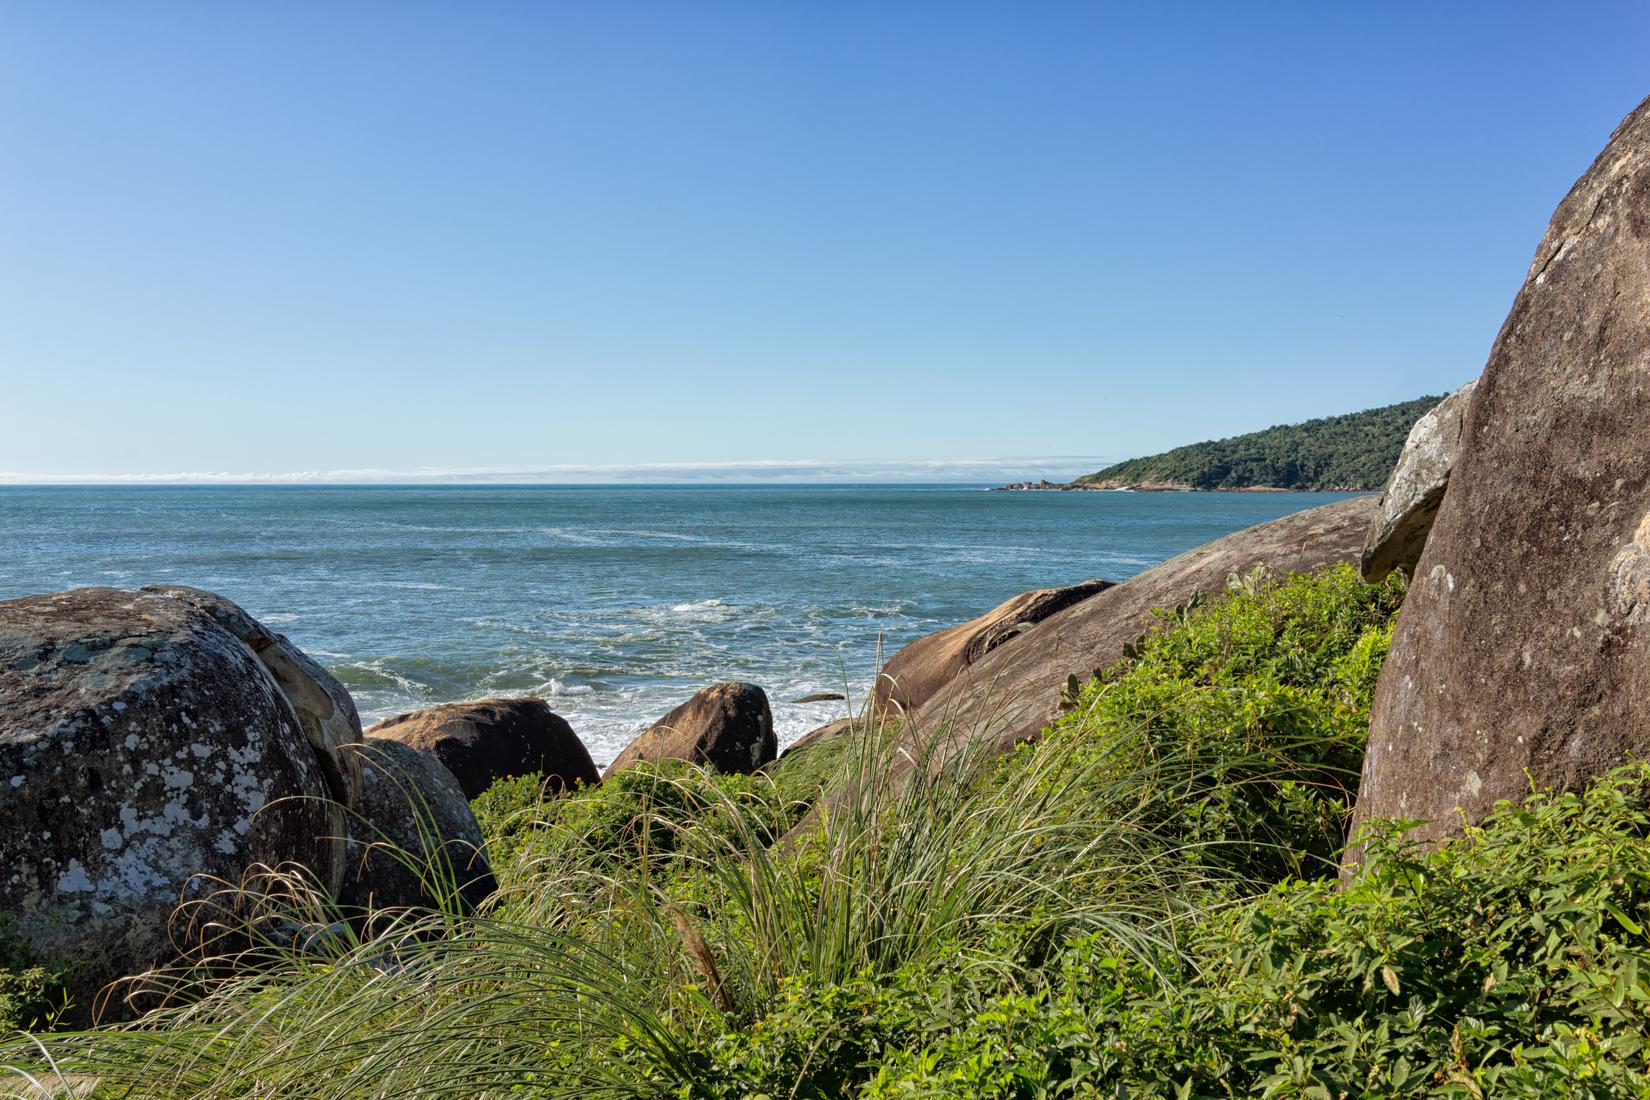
(75, 879)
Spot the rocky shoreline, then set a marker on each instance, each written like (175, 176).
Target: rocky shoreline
(157, 742)
(1157, 487)
(160, 747)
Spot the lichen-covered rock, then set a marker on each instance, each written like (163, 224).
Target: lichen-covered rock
(322, 705)
(727, 726)
(1410, 501)
(919, 669)
(141, 743)
(1523, 646)
(486, 740)
(412, 804)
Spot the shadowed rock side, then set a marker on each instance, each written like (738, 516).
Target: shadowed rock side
(411, 801)
(924, 666)
(1410, 501)
(1524, 641)
(727, 726)
(486, 740)
(1013, 692)
(141, 743)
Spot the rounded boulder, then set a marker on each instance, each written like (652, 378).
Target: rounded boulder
(486, 740)
(414, 841)
(727, 726)
(142, 744)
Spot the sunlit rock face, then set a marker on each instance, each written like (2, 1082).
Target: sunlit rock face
(1414, 492)
(917, 671)
(1523, 649)
(727, 726)
(142, 744)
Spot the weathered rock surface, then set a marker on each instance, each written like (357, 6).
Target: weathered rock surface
(916, 672)
(727, 726)
(412, 802)
(323, 707)
(142, 743)
(1013, 692)
(486, 740)
(1524, 641)
(1410, 501)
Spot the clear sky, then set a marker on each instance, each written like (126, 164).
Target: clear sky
(266, 238)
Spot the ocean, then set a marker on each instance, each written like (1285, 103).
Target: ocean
(614, 603)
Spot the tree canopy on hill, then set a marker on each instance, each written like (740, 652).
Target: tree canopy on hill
(1352, 452)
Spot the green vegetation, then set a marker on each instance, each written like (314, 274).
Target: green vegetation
(1142, 904)
(1354, 452)
(31, 995)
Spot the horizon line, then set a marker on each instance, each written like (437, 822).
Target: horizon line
(762, 471)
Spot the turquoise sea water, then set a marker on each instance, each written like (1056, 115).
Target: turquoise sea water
(615, 603)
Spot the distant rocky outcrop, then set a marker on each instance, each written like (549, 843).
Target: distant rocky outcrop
(146, 738)
(1410, 501)
(486, 740)
(1043, 486)
(1522, 648)
(922, 667)
(727, 726)
(413, 836)
(1013, 691)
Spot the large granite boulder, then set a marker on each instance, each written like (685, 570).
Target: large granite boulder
(413, 837)
(917, 671)
(1011, 693)
(486, 740)
(322, 705)
(1410, 501)
(142, 743)
(726, 726)
(1521, 651)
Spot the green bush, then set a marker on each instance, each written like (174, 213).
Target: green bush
(1512, 963)
(1243, 721)
(33, 996)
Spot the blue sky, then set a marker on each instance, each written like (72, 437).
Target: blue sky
(582, 240)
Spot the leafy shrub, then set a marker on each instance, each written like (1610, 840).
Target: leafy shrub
(32, 995)
(1244, 720)
(1512, 963)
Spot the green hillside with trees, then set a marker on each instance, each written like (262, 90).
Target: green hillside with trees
(1352, 452)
